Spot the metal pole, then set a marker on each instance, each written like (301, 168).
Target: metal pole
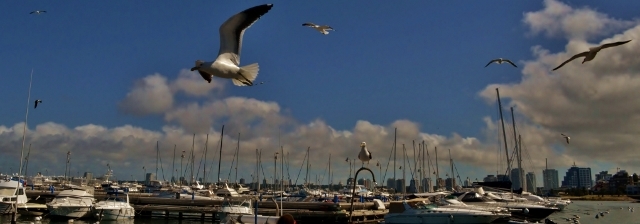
(24, 132)
(504, 135)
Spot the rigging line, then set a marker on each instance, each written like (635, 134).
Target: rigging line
(235, 153)
(388, 162)
(458, 173)
(300, 170)
(406, 157)
(324, 173)
(286, 159)
(213, 160)
(162, 169)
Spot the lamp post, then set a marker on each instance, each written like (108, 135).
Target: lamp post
(354, 188)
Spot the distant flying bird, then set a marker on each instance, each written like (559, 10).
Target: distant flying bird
(565, 137)
(346, 160)
(589, 55)
(228, 61)
(37, 12)
(322, 29)
(500, 61)
(364, 154)
(37, 101)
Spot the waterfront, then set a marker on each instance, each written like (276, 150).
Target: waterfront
(580, 208)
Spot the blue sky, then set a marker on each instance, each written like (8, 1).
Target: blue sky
(421, 61)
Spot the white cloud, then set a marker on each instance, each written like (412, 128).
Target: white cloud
(559, 19)
(192, 84)
(151, 95)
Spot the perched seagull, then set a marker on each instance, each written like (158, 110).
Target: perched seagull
(589, 55)
(565, 137)
(364, 154)
(37, 101)
(500, 61)
(323, 29)
(228, 61)
(38, 12)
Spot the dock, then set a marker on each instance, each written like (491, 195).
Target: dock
(147, 206)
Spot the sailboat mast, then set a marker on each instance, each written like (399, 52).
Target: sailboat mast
(257, 170)
(515, 139)
(329, 172)
(157, 156)
(395, 153)
(173, 166)
(437, 171)
(204, 171)
(220, 151)
(504, 135)
(238, 157)
(193, 157)
(453, 179)
(306, 179)
(523, 177)
(404, 167)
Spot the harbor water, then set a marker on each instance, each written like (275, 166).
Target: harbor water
(619, 213)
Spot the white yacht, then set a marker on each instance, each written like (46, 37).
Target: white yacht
(10, 194)
(197, 186)
(73, 203)
(114, 207)
(241, 211)
(361, 190)
(418, 211)
(226, 191)
(241, 189)
(186, 194)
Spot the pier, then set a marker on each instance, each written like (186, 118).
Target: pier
(147, 206)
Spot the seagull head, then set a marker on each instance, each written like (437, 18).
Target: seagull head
(363, 144)
(198, 64)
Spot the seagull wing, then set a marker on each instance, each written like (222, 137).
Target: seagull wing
(205, 75)
(34, 107)
(369, 154)
(309, 24)
(492, 61)
(614, 44)
(510, 62)
(325, 27)
(232, 30)
(32, 12)
(583, 54)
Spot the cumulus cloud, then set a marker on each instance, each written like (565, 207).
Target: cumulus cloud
(151, 95)
(192, 84)
(593, 102)
(559, 19)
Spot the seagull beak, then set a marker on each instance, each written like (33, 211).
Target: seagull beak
(195, 68)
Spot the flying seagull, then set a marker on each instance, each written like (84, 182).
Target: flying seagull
(364, 154)
(591, 53)
(323, 29)
(228, 61)
(565, 137)
(38, 12)
(500, 61)
(37, 101)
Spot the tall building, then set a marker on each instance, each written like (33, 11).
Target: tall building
(413, 188)
(603, 175)
(531, 182)
(550, 179)
(427, 186)
(242, 180)
(350, 181)
(149, 177)
(88, 175)
(361, 181)
(577, 177)
(368, 183)
(449, 182)
(391, 183)
(515, 178)
(502, 177)
(400, 185)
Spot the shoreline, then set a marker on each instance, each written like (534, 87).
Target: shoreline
(598, 198)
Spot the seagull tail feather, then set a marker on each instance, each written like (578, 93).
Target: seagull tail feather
(249, 71)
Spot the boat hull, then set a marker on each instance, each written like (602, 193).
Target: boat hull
(6, 208)
(75, 212)
(439, 218)
(114, 213)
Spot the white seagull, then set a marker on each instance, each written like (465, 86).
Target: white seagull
(591, 53)
(565, 137)
(364, 154)
(323, 29)
(500, 61)
(37, 101)
(38, 12)
(228, 61)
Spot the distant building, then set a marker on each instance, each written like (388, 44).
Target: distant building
(490, 178)
(361, 181)
(440, 184)
(413, 188)
(619, 181)
(550, 179)
(531, 182)
(368, 184)
(391, 183)
(400, 185)
(350, 181)
(577, 177)
(516, 178)
(426, 185)
(603, 175)
(88, 175)
(242, 180)
(502, 177)
(149, 177)
(449, 183)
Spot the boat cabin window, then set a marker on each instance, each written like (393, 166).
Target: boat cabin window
(20, 191)
(7, 191)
